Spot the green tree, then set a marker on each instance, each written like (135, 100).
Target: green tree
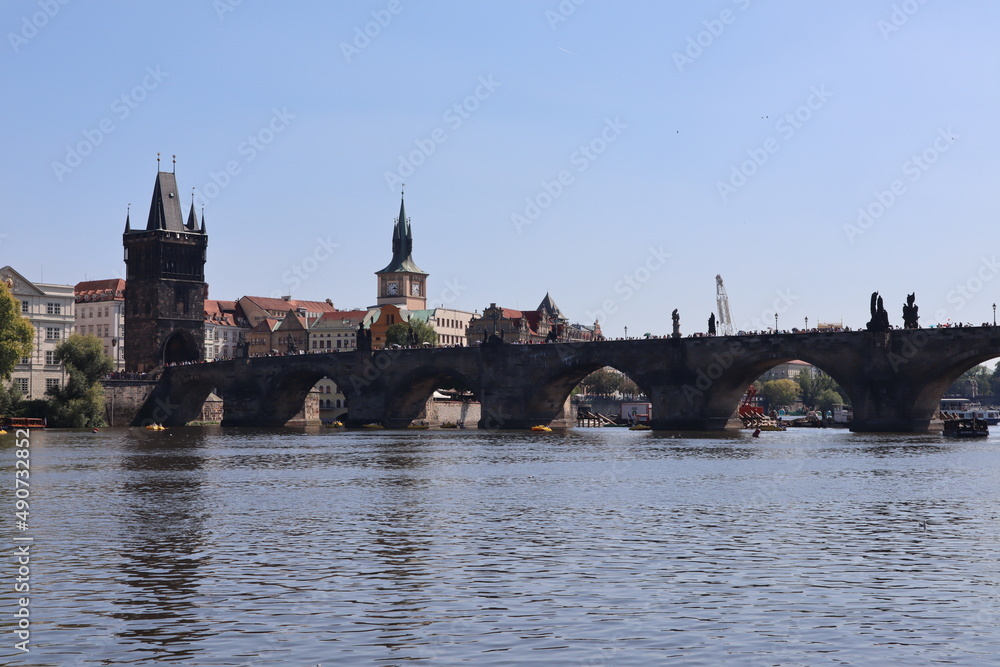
(403, 334)
(11, 399)
(827, 399)
(80, 403)
(811, 385)
(779, 393)
(16, 333)
(973, 382)
(603, 382)
(397, 334)
(423, 332)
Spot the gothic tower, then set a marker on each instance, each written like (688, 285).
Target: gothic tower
(402, 283)
(164, 283)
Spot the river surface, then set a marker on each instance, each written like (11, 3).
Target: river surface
(588, 547)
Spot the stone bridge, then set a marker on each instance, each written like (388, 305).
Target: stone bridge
(894, 378)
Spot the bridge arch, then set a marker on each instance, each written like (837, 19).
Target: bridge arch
(726, 391)
(179, 347)
(928, 399)
(408, 396)
(549, 397)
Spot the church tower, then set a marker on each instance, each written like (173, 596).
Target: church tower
(165, 283)
(402, 283)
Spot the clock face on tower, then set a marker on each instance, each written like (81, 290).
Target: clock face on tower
(415, 289)
(392, 288)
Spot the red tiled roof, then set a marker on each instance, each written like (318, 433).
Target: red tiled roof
(281, 305)
(112, 289)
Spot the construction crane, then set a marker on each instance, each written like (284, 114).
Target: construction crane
(725, 326)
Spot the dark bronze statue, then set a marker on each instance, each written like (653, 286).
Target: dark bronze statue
(677, 323)
(880, 318)
(910, 310)
(711, 324)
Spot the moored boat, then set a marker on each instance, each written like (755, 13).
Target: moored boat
(965, 428)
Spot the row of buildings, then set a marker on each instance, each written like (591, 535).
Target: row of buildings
(160, 312)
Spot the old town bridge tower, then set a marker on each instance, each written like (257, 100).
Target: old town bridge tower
(164, 283)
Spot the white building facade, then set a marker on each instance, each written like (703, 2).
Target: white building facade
(50, 309)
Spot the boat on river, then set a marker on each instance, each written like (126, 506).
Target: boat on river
(965, 428)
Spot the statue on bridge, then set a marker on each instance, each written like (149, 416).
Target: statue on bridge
(880, 318)
(677, 323)
(711, 324)
(910, 315)
(364, 339)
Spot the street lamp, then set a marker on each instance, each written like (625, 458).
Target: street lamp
(776, 323)
(626, 333)
(807, 324)
(994, 314)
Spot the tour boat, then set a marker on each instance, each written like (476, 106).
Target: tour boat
(540, 428)
(639, 427)
(965, 428)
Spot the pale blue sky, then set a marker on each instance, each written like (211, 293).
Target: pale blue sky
(670, 122)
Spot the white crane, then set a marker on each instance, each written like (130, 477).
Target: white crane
(725, 326)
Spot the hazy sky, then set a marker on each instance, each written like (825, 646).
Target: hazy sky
(615, 154)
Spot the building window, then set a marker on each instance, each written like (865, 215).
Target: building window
(24, 309)
(25, 360)
(50, 357)
(51, 383)
(22, 385)
(53, 309)
(53, 333)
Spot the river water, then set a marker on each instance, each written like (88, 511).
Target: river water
(589, 547)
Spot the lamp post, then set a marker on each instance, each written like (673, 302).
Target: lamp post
(626, 333)
(994, 314)
(807, 324)
(776, 323)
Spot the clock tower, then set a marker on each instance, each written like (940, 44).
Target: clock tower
(402, 283)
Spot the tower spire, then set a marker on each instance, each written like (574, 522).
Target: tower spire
(128, 215)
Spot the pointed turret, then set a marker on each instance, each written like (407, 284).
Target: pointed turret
(203, 221)
(165, 207)
(192, 223)
(402, 245)
(128, 225)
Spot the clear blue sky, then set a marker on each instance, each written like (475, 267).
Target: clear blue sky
(692, 166)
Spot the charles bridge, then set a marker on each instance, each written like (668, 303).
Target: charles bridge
(893, 377)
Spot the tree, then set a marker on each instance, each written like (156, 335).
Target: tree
(780, 393)
(11, 399)
(827, 399)
(397, 334)
(404, 334)
(603, 382)
(973, 382)
(812, 385)
(80, 403)
(423, 332)
(16, 333)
